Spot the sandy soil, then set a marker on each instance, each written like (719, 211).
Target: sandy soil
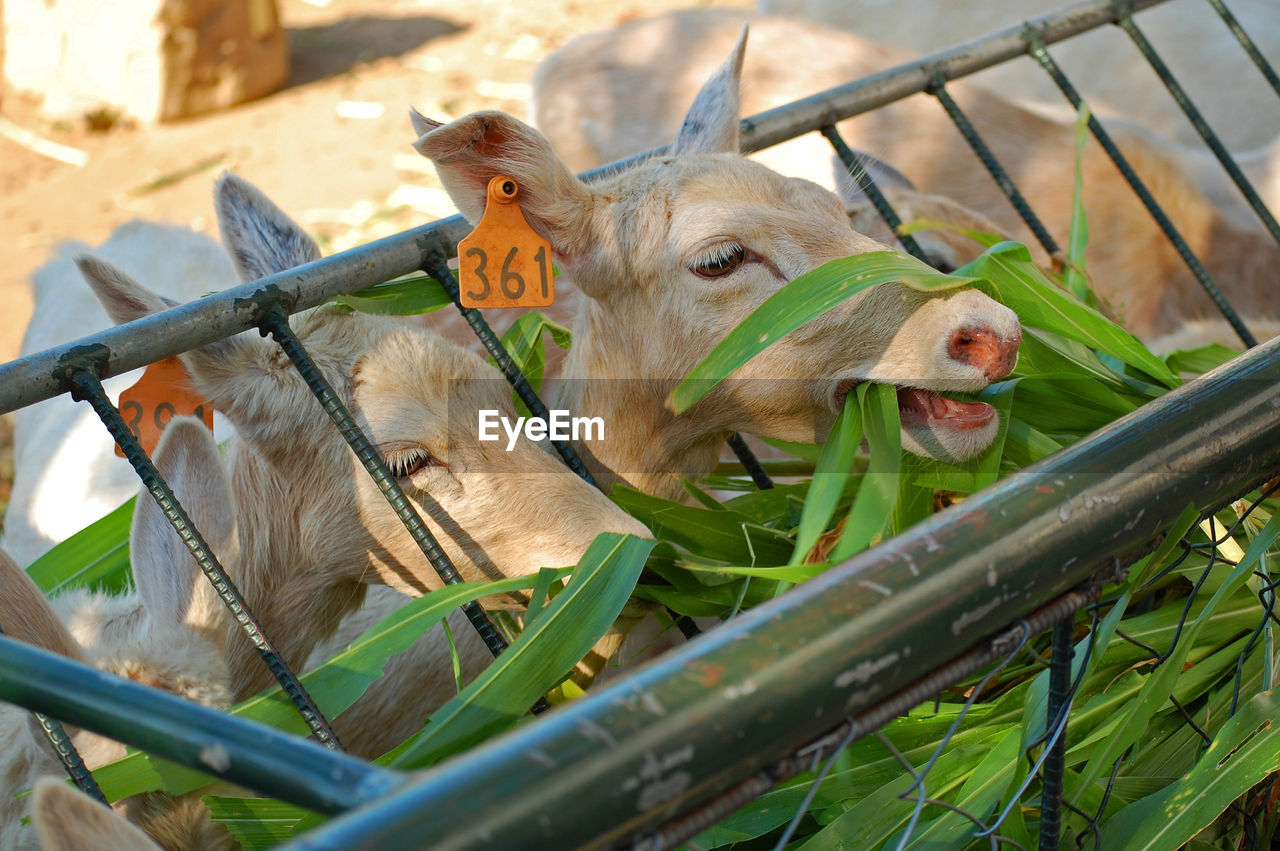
(348, 180)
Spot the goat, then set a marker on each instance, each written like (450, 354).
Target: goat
(169, 634)
(1132, 265)
(66, 474)
(673, 253)
(66, 819)
(306, 503)
(1104, 64)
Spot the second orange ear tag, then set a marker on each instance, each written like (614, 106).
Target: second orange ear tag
(162, 393)
(503, 262)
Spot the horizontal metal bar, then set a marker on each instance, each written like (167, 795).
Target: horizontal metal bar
(605, 770)
(244, 752)
(32, 378)
(179, 329)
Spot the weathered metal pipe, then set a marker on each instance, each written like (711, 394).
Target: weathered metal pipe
(243, 752)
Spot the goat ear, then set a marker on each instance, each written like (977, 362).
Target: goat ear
(884, 174)
(471, 151)
(168, 578)
(122, 297)
(26, 616)
(260, 238)
(66, 819)
(711, 124)
(221, 369)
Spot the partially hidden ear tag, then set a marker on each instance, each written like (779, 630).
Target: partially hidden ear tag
(162, 393)
(504, 262)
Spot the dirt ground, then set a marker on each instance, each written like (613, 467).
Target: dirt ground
(348, 179)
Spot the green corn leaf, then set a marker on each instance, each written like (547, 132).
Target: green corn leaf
(873, 507)
(1201, 359)
(96, 557)
(719, 534)
(1078, 235)
(402, 297)
(334, 686)
(1006, 273)
(829, 478)
(1244, 751)
(978, 797)
(255, 822)
(801, 300)
(1166, 678)
(986, 240)
(523, 341)
(565, 631)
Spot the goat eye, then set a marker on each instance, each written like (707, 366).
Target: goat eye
(720, 260)
(405, 462)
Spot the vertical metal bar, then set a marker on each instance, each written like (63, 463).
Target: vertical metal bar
(1055, 762)
(750, 462)
(868, 185)
(275, 321)
(1202, 127)
(984, 153)
(85, 386)
(1247, 43)
(438, 267)
(1046, 61)
(68, 755)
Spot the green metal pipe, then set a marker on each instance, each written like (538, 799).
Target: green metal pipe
(607, 770)
(243, 752)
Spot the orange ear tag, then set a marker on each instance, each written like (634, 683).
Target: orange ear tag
(503, 262)
(162, 393)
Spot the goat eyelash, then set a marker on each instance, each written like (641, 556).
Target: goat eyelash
(719, 260)
(405, 462)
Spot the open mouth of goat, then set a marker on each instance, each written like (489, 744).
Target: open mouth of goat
(918, 406)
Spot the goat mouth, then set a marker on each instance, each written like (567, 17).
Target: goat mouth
(917, 407)
(921, 408)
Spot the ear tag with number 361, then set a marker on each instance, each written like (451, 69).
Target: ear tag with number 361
(503, 262)
(162, 393)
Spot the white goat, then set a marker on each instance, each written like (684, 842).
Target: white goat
(315, 530)
(673, 253)
(1131, 263)
(66, 473)
(1104, 64)
(169, 634)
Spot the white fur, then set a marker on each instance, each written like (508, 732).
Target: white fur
(66, 473)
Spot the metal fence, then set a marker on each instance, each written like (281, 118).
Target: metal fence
(655, 758)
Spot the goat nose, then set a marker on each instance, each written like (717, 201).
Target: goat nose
(985, 349)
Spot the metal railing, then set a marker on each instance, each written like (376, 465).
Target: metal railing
(792, 677)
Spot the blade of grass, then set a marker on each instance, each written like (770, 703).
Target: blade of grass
(564, 632)
(873, 506)
(829, 477)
